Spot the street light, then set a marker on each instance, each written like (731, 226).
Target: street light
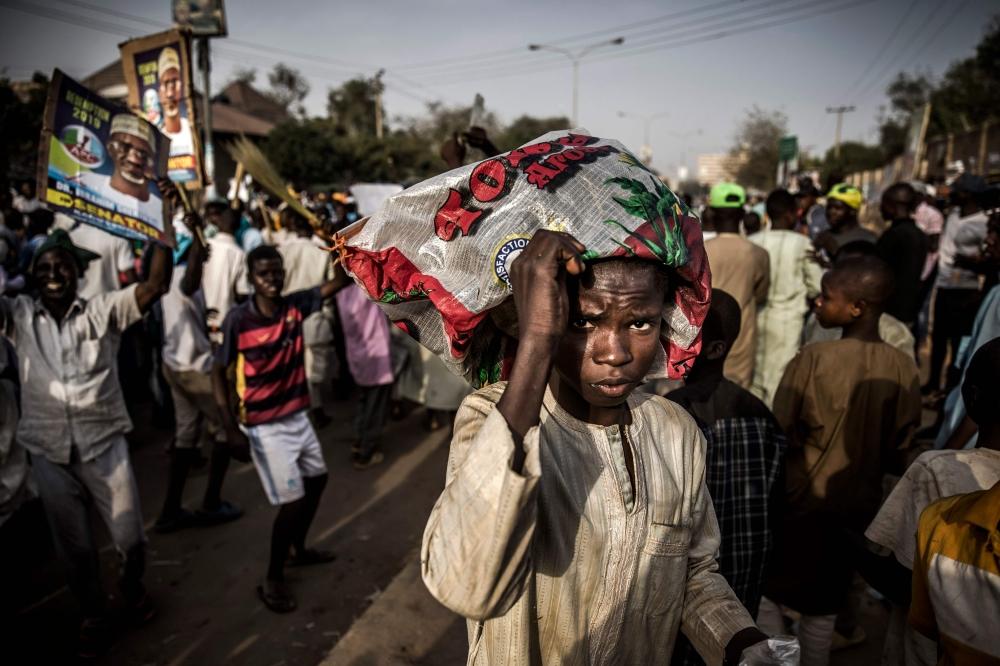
(646, 152)
(575, 58)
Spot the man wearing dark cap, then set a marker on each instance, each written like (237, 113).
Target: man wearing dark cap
(812, 215)
(73, 419)
(957, 286)
(903, 247)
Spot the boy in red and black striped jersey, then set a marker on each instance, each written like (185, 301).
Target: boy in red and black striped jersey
(260, 387)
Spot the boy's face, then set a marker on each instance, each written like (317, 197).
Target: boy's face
(614, 332)
(268, 277)
(834, 307)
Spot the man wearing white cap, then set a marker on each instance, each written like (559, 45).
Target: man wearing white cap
(130, 145)
(171, 90)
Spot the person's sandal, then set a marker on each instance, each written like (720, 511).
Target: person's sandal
(140, 611)
(276, 596)
(372, 460)
(94, 638)
(311, 556)
(225, 513)
(181, 520)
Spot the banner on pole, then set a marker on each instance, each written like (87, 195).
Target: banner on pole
(204, 18)
(99, 163)
(158, 73)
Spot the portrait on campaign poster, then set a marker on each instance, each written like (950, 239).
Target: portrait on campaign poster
(99, 163)
(158, 73)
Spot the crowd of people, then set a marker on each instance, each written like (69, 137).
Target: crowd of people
(240, 336)
(568, 496)
(817, 372)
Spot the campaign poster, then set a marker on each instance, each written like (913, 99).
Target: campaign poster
(158, 73)
(99, 163)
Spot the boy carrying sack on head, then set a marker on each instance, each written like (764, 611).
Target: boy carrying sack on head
(575, 526)
(848, 407)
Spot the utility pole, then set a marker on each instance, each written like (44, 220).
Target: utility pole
(575, 58)
(646, 150)
(205, 64)
(378, 87)
(840, 111)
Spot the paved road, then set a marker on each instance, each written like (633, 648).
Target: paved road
(203, 580)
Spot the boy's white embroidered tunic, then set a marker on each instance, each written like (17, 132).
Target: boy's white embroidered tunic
(551, 567)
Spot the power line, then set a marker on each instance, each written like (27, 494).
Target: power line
(524, 58)
(557, 63)
(493, 56)
(915, 39)
(257, 46)
(345, 66)
(222, 53)
(70, 18)
(685, 40)
(885, 47)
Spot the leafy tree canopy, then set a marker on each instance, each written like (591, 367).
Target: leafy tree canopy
(21, 109)
(756, 147)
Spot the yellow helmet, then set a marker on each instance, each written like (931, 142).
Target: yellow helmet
(848, 194)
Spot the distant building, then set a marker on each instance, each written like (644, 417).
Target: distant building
(238, 108)
(717, 167)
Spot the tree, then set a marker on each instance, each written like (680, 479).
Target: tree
(854, 156)
(21, 109)
(288, 88)
(966, 95)
(908, 94)
(244, 75)
(756, 147)
(526, 128)
(351, 107)
(305, 151)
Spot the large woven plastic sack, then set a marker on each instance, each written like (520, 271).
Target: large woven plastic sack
(436, 256)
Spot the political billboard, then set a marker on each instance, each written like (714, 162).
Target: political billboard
(158, 73)
(99, 163)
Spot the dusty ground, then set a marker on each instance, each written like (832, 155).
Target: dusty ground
(369, 607)
(203, 579)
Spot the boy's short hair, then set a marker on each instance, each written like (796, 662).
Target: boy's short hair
(723, 320)
(866, 278)
(780, 202)
(856, 248)
(263, 253)
(980, 390)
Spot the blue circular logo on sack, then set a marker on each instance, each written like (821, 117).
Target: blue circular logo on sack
(505, 254)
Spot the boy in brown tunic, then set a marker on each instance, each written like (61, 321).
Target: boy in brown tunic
(848, 407)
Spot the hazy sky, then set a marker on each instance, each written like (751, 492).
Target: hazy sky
(703, 63)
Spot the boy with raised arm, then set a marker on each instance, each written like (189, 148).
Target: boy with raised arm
(263, 410)
(575, 526)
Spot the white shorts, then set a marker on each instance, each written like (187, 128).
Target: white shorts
(285, 451)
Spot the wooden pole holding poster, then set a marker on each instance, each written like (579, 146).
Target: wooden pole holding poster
(206, 68)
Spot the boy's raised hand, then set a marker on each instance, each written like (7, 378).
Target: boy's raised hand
(538, 278)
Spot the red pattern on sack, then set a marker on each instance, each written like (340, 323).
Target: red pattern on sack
(390, 269)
